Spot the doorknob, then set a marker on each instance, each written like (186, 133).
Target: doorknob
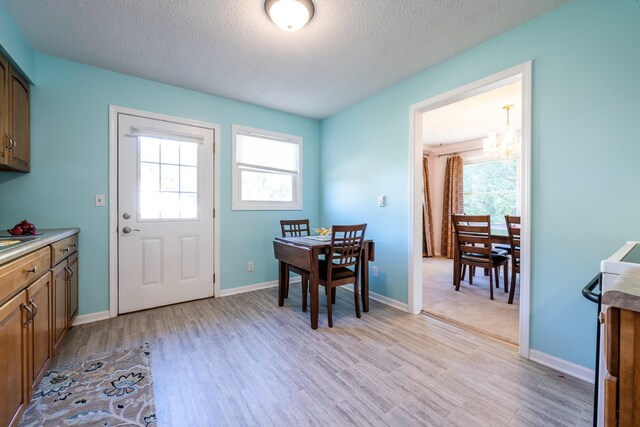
(126, 215)
(127, 230)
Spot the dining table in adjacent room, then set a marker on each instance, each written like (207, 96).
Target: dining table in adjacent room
(318, 247)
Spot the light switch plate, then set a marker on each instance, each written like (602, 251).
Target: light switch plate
(382, 201)
(99, 200)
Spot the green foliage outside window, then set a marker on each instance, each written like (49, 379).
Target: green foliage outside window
(491, 188)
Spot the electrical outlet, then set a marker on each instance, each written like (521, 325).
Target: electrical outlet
(99, 200)
(375, 271)
(250, 266)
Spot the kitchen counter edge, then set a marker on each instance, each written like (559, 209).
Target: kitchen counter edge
(48, 237)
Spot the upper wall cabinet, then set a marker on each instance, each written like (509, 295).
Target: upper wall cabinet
(14, 119)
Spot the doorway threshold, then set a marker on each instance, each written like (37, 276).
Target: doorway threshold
(472, 329)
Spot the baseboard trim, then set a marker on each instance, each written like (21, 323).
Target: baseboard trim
(383, 299)
(91, 317)
(562, 365)
(254, 287)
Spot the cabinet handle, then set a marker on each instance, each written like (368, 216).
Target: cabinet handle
(69, 272)
(65, 249)
(12, 143)
(30, 318)
(35, 307)
(33, 269)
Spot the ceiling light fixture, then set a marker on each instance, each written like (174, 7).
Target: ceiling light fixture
(289, 15)
(505, 144)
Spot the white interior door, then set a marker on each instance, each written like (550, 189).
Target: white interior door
(165, 213)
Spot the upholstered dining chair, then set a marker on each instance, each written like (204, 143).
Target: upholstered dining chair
(342, 264)
(296, 228)
(473, 239)
(513, 226)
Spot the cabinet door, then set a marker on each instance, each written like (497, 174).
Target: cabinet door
(59, 302)
(19, 122)
(13, 359)
(4, 111)
(39, 299)
(72, 289)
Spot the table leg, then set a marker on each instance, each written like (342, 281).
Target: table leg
(364, 278)
(283, 278)
(314, 290)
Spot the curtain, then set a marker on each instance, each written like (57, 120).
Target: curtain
(427, 215)
(453, 202)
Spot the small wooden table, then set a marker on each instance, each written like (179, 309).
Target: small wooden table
(319, 247)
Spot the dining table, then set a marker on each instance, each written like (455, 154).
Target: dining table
(498, 235)
(318, 246)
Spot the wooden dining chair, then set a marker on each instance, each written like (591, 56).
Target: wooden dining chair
(473, 239)
(513, 226)
(342, 263)
(295, 228)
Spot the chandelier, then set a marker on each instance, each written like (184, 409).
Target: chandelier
(504, 144)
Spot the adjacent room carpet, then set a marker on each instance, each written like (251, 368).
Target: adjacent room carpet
(470, 307)
(110, 390)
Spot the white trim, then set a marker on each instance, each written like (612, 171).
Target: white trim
(562, 365)
(113, 194)
(383, 299)
(251, 288)
(415, 187)
(237, 204)
(91, 317)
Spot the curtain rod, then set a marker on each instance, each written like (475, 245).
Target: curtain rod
(459, 152)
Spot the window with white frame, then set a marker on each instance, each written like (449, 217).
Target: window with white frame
(267, 170)
(491, 188)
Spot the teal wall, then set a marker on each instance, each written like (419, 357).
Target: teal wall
(14, 45)
(69, 164)
(585, 183)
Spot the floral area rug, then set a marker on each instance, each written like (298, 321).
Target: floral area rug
(114, 390)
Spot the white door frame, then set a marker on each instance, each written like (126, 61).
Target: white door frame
(415, 188)
(113, 195)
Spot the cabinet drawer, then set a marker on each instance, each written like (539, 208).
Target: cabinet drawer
(63, 248)
(24, 270)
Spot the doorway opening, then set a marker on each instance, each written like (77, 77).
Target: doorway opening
(460, 124)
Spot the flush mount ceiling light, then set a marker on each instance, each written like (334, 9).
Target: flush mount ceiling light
(289, 15)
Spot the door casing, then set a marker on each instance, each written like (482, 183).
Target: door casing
(113, 195)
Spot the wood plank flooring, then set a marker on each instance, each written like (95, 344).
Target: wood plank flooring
(242, 361)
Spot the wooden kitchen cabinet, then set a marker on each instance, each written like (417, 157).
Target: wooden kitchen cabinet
(14, 390)
(39, 334)
(14, 119)
(59, 305)
(38, 304)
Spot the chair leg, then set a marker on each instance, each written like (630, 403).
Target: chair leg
(356, 298)
(497, 276)
(329, 317)
(472, 272)
(512, 291)
(506, 276)
(464, 271)
(333, 295)
(305, 285)
(491, 282)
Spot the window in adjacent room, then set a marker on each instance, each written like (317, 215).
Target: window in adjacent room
(267, 170)
(491, 187)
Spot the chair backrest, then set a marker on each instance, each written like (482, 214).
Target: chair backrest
(346, 245)
(473, 233)
(295, 227)
(297, 256)
(513, 226)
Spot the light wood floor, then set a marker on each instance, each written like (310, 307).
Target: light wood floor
(470, 306)
(241, 360)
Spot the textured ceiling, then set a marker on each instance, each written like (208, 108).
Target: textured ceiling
(473, 118)
(350, 49)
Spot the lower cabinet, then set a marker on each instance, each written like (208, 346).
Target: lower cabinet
(37, 306)
(39, 336)
(14, 390)
(59, 305)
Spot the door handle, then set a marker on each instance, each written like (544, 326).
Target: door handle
(127, 230)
